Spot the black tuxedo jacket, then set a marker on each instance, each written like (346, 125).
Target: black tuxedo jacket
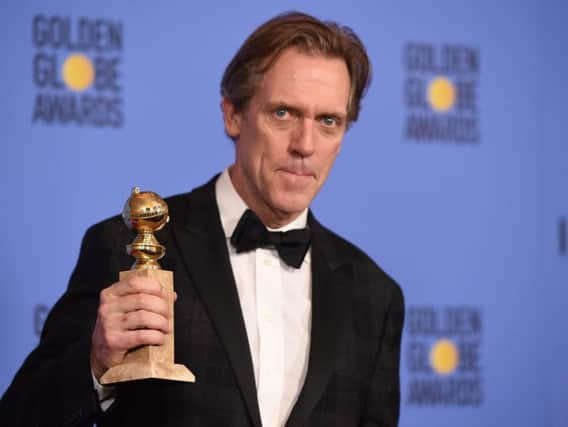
(353, 367)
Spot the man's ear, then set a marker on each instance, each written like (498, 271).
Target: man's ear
(231, 119)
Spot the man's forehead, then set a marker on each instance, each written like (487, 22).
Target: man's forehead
(296, 58)
(299, 78)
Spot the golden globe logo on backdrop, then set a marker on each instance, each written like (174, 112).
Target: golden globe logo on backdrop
(76, 70)
(443, 356)
(441, 93)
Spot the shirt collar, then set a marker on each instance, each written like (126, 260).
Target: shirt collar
(232, 207)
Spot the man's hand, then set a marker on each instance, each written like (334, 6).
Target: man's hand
(132, 312)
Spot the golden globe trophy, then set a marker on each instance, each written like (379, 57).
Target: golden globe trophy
(145, 212)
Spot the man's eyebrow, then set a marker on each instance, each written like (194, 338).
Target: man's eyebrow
(283, 104)
(337, 114)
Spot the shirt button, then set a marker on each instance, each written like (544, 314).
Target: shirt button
(268, 317)
(267, 262)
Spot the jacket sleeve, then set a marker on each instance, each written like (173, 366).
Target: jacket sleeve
(54, 386)
(383, 403)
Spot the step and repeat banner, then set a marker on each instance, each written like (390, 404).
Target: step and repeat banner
(453, 180)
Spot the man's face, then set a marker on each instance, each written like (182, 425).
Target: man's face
(289, 134)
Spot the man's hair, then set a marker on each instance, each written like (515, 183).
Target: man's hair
(307, 34)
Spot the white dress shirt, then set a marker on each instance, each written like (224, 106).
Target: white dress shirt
(276, 305)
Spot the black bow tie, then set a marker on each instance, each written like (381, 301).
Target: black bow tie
(251, 233)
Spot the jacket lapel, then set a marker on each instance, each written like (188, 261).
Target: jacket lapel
(331, 291)
(203, 249)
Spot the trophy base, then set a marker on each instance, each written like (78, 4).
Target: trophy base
(153, 370)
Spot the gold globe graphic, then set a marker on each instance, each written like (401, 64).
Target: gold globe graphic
(444, 357)
(441, 94)
(78, 72)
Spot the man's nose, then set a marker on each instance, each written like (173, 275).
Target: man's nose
(303, 138)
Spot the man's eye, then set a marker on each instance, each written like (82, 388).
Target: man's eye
(329, 121)
(281, 113)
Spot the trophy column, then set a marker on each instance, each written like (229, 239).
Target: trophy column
(145, 213)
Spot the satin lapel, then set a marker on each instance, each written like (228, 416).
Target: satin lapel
(331, 290)
(204, 252)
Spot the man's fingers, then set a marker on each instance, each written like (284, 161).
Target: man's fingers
(116, 343)
(142, 319)
(132, 339)
(137, 285)
(145, 302)
(133, 302)
(117, 322)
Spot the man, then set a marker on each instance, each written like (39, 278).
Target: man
(295, 327)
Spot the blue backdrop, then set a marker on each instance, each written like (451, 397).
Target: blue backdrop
(454, 179)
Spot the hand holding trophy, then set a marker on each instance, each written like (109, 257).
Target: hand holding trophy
(145, 213)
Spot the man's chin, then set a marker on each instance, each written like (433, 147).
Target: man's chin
(291, 206)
